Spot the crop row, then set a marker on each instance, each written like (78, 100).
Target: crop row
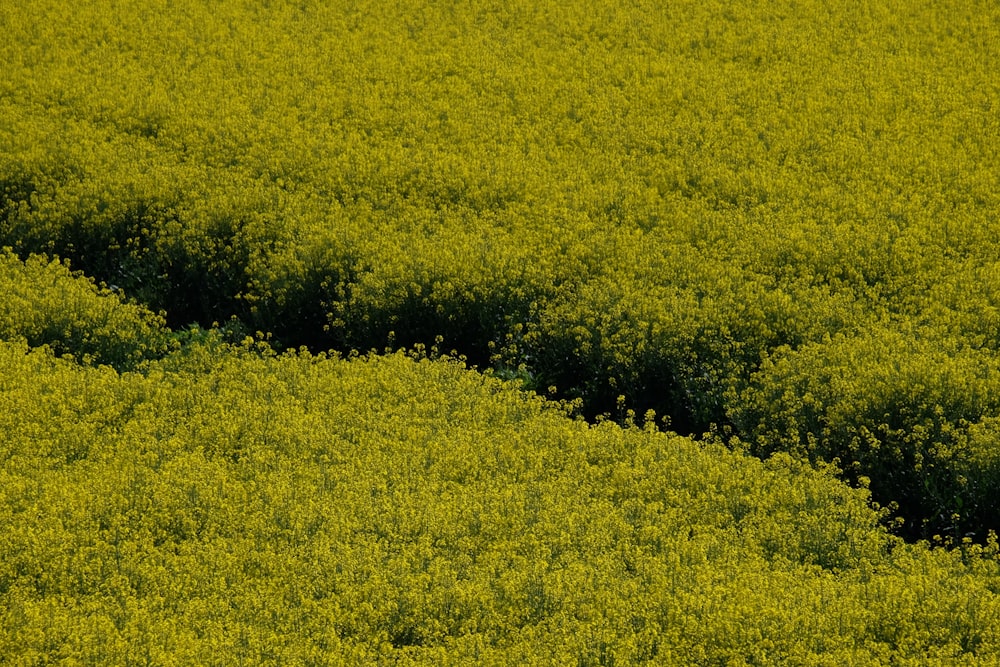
(780, 218)
(228, 506)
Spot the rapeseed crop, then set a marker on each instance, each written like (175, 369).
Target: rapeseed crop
(769, 226)
(229, 507)
(45, 304)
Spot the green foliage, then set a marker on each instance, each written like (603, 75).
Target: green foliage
(45, 304)
(229, 507)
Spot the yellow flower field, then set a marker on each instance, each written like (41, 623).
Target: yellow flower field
(499, 333)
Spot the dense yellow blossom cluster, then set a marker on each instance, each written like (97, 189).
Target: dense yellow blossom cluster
(226, 506)
(44, 304)
(773, 223)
